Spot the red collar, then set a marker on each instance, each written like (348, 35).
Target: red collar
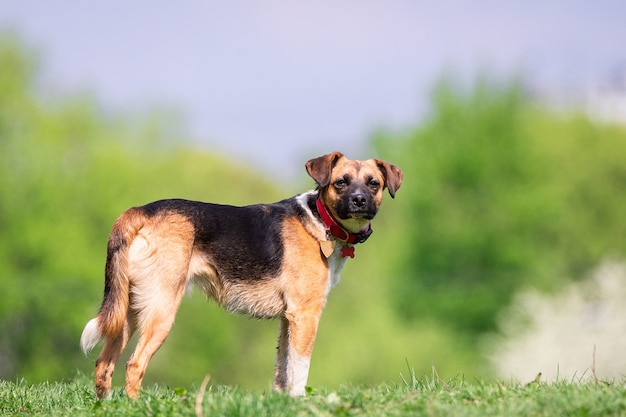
(333, 228)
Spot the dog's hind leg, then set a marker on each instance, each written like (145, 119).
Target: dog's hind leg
(105, 364)
(155, 325)
(159, 266)
(280, 373)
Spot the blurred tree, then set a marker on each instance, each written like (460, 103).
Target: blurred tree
(500, 194)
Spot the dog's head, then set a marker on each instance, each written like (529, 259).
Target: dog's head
(352, 190)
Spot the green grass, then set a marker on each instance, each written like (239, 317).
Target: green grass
(412, 397)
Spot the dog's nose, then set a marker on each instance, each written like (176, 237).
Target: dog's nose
(359, 200)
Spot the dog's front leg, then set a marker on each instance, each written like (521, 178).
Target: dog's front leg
(295, 347)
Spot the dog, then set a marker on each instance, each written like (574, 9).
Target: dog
(275, 260)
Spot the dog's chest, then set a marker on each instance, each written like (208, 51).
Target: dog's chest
(330, 249)
(336, 262)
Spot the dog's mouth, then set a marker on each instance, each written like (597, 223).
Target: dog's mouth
(357, 214)
(360, 214)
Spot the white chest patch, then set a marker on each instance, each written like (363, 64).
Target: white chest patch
(336, 262)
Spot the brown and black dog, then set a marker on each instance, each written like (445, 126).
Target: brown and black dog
(266, 260)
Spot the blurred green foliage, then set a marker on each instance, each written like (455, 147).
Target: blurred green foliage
(498, 195)
(501, 194)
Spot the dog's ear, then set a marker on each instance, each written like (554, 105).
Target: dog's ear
(320, 168)
(392, 174)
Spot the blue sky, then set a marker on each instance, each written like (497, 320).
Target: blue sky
(276, 82)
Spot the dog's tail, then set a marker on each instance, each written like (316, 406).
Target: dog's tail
(114, 310)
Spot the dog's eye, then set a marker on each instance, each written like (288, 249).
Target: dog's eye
(340, 182)
(374, 183)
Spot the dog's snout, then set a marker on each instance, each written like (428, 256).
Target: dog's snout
(359, 200)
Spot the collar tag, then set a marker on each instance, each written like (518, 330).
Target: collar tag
(328, 247)
(347, 251)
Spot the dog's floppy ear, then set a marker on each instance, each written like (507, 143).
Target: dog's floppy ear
(320, 168)
(392, 174)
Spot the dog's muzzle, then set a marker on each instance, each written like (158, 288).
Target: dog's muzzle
(357, 205)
